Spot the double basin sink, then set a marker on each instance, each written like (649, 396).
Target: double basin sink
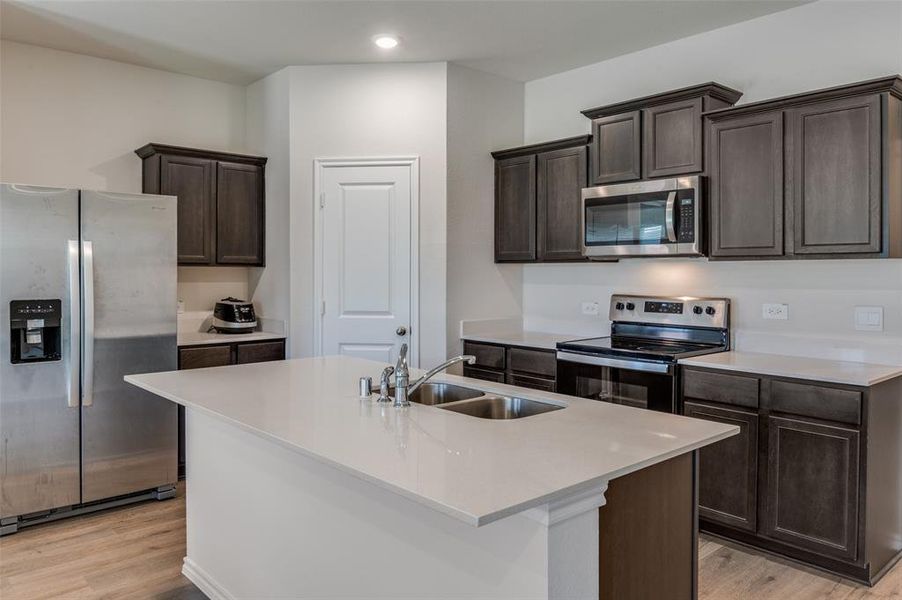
(477, 403)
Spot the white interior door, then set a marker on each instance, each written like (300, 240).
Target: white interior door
(366, 258)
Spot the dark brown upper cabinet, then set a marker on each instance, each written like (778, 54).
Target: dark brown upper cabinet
(814, 175)
(515, 209)
(239, 213)
(672, 138)
(836, 175)
(538, 201)
(561, 176)
(618, 154)
(654, 136)
(221, 202)
(745, 188)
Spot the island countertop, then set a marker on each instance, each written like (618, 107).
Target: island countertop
(476, 470)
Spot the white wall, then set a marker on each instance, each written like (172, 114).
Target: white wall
(268, 134)
(485, 113)
(812, 46)
(71, 120)
(364, 111)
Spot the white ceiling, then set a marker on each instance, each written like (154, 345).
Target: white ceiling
(241, 41)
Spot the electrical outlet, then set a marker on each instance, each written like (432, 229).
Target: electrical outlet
(590, 308)
(775, 311)
(869, 318)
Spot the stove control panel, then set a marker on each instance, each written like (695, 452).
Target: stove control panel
(664, 310)
(667, 308)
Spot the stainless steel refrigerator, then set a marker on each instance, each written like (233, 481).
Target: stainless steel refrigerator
(87, 296)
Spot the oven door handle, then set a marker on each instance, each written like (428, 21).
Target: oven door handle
(617, 363)
(669, 216)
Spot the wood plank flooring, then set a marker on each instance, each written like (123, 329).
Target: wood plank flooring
(136, 552)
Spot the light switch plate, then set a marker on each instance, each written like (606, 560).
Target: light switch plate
(775, 311)
(869, 318)
(590, 308)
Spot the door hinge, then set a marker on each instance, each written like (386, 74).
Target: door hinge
(322, 308)
(322, 199)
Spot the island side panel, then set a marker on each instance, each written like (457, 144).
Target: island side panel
(265, 521)
(648, 533)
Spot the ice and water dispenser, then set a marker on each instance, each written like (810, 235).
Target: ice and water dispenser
(35, 330)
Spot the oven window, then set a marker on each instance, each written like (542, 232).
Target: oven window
(638, 389)
(633, 219)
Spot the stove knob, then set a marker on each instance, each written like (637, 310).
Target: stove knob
(697, 310)
(710, 310)
(630, 306)
(619, 306)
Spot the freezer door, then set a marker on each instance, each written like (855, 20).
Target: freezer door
(39, 400)
(129, 436)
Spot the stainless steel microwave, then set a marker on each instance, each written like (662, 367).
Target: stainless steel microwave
(661, 217)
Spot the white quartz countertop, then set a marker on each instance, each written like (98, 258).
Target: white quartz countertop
(800, 367)
(197, 338)
(476, 470)
(528, 339)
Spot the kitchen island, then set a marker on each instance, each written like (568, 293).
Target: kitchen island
(299, 488)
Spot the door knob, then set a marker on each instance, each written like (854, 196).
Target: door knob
(401, 330)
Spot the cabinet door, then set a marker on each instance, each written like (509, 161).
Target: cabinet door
(746, 187)
(728, 470)
(515, 209)
(836, 176)
(812, 486)
(239, 214)
(617, 152)
(561, 178)
(672, 138)
(192, 181)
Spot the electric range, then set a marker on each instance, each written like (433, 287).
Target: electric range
(637, 364)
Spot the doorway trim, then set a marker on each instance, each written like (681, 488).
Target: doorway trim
(319, 168)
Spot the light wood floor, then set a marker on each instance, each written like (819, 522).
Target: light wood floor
(136, 552)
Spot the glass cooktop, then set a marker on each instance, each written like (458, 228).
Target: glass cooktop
(656, 349)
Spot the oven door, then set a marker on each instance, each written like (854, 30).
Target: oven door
(640, 384)
(646, 218)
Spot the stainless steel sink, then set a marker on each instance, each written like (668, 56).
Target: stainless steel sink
(440, 393)
(499, 407)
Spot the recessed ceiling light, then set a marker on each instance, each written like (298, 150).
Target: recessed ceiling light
(386, 42)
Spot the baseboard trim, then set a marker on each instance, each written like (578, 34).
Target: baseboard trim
(204, 582)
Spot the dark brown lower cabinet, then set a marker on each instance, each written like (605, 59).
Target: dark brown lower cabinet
(727, 493)
(525, 367)
(812, 486)
(814, 474)
(220, 355)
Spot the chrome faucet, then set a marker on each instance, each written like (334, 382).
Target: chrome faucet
(403, 387)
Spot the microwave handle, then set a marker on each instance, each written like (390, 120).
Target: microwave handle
(669, 215)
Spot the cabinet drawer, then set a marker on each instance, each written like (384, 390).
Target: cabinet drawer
(260, 352)
(720, 387)
(207, 356)
(815, 401)
(487, 355)
(484, 374)
(537, 362)
(533, 383)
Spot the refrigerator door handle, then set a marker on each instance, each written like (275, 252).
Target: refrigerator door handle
(87, 383)
(74, 326)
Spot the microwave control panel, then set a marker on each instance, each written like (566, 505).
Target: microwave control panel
(686, 219)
